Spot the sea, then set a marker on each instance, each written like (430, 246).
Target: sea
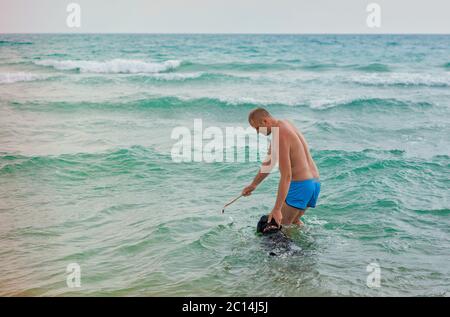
(92, 202)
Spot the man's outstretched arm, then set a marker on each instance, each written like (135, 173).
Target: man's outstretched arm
(263, 172)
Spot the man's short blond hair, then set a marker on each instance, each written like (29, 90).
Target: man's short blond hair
(256, 115)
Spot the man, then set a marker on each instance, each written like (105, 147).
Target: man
(299, 185)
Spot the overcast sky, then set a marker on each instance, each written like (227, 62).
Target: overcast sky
(225, 16)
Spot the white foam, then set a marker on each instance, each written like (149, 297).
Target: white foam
(404, 79)
(315, 221)
(174, 76)
(112, 66)
(9, 78)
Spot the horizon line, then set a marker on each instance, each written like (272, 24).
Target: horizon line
(215, 33)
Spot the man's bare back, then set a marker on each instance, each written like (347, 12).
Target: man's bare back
(302, 165)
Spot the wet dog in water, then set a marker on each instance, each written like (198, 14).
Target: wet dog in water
(267, 228)
(274, 239)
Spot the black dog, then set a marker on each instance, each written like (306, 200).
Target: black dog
(267, 228)
(274, 239)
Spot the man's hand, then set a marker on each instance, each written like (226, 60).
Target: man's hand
(275, 214)
(248, 190)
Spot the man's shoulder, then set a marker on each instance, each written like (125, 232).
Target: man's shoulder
(287, 128)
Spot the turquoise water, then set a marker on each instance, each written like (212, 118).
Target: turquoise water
(86, 174)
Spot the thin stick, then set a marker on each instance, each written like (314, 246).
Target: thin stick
(223, 210)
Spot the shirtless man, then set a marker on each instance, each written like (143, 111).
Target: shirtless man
(299, 185)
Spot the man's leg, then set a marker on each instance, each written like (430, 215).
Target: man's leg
(290, 214)
(297, 220)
